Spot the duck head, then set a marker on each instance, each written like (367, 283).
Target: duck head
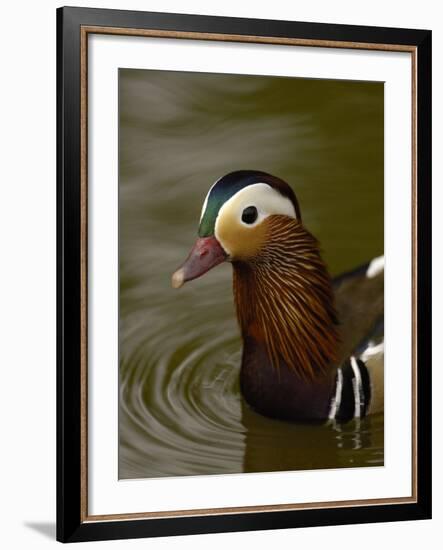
(234, 221)
(282, 290)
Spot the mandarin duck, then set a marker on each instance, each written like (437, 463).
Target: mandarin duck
(313, 346)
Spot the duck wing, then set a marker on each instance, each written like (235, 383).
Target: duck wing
(359, 300)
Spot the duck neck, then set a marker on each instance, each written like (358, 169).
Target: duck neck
(284, 303)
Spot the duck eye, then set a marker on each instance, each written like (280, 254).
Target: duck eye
(249, 214)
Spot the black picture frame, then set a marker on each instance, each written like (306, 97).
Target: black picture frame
(71, 522)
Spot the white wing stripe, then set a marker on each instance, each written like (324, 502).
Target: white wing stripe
(357, 385)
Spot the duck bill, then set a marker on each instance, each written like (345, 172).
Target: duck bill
(206, 254)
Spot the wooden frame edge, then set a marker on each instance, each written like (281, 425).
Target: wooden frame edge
(84, 274)
(199, 512)
(85, 30)
(282, 41)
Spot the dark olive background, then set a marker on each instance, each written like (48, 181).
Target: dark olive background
(181, 412)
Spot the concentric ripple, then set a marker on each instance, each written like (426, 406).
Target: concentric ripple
(181, 411)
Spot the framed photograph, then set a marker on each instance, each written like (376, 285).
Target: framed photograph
(244, 274)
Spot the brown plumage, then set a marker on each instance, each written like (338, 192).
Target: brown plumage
(284, 300)
(298, 363)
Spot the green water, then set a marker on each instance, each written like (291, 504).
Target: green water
(181, 412)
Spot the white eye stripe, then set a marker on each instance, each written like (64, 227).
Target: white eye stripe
(265, 198)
